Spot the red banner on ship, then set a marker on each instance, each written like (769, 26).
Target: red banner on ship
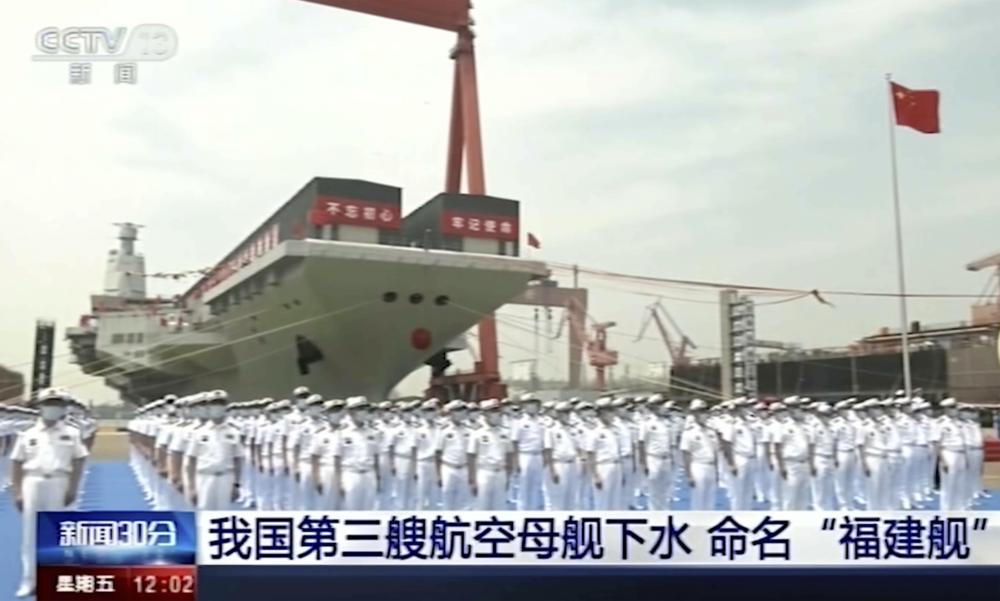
(347, 211)
(473, 225)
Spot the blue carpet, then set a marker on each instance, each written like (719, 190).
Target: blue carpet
(108, 485)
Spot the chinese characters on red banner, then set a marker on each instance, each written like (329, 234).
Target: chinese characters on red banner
(472, 225)
(255, 248)
(330, 210)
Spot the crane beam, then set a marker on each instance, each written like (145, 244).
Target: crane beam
(574, 300)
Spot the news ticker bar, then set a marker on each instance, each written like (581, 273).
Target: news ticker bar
(541, 583)
(629, 538)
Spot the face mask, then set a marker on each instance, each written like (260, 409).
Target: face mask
(359, 416)
(52, 414)
(216, 412)
(493, 418)
(335, 417)
(313, 410)
(300, 404)
(531, 409)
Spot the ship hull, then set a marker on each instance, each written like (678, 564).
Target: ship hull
(343, 319)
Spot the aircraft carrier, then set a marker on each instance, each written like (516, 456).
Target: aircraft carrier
(335, 290)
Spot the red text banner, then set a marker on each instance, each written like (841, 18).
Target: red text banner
(474, 225)
(330, 210)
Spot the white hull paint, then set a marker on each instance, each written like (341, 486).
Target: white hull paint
(331, 293)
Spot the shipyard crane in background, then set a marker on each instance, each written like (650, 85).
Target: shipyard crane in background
(656, 313)
(987, 308)
(464, 142)
(599, 356)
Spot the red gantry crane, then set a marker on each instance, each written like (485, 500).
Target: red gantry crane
(464, 139)
(599, 355)
(655, 313)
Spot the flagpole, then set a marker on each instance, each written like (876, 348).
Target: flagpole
(904, 320)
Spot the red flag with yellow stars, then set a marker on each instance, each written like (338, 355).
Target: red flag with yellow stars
(916, 108)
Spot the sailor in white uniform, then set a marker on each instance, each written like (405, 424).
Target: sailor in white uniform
(428, 487)
(739, 448)
(294, 421)
(623, 426)
(604, 457)
(777, 415)
(324, 445)
(562, 460)
(925, 446)
(761, 463)
(906, 425)
(302, 446)
(165, 496)
(824, 438)
(402, 452)
(894, 453)
(527, 433)
(215, 453)
(701, 447)
(78, 415)
(583, 429)
(260, 422)
(953, 461)
(266, 476)
(846, 436)
(793, 452)
(873, 452)
(656, 453)
(46, 465)
(973, 488)
(547, 418)
(490, 459)
(357, 458)
(451, 458)
(383, 420)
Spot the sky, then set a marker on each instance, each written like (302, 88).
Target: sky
(725, 141)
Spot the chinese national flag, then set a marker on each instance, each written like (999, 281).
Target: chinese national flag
(533, 241)
(916, 108)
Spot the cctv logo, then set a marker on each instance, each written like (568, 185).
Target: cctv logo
(148, 42)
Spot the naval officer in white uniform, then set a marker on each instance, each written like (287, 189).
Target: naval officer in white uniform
(701, 447)
(451, 458)
(794, 454)
(490, 459)
(562, 460)
(527, 433)
(951, 437)
(46, 465)
(215, 452)
(655, 453)
(357, 457)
